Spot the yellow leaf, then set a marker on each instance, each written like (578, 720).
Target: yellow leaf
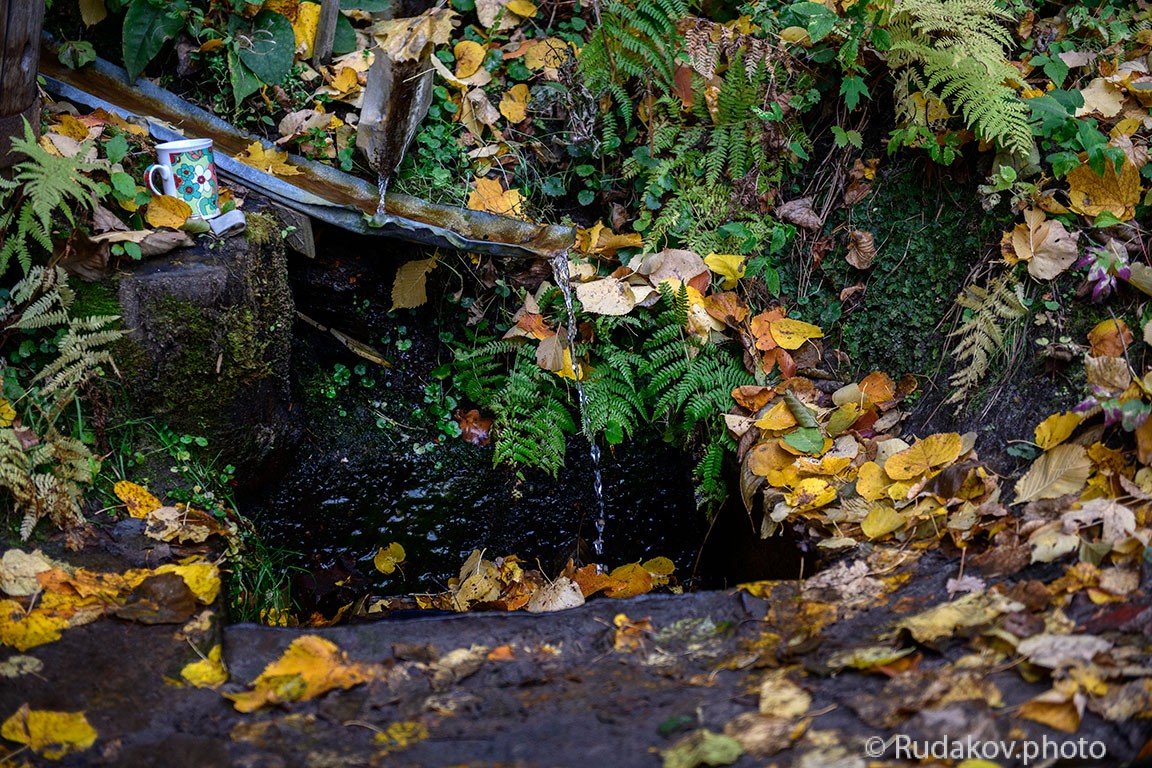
(660, 566)
(387, 558)
(310, 667)
(267, 160)
(409, 288)
(871, 482)
(777, 417)
(728, 265)
(167, 211)
(514, 104)
(549, 53)
(202, 578)
(304, 28)
(209, 672)
(67, 125)
(780, 697)
(23, 630)
(1110, 338)
(1060, 471)
(51, 735)
(7, 413)
(629, 580)
(405, 39)
(1056, 428)
(1091, 194)
(345, 82)
(811, 493)
(882, 520)
(401, 735)
(469, 58)
(1054, 709)
(933, 451)
(139, 501)
(490, 195)
(796, 35)
(521, 8)
(791, 334)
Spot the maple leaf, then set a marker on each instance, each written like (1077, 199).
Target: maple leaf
(267, 160)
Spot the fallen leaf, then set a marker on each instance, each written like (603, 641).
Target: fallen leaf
(18, 666)
(971, 610)
(800, 213)
(202, 578)
(561, 594)
(408, 39)
(304, 28)
(1060, 471)
(514, 103)
(310, 667)
(881, 520)
(22, 629)
(267, 160)
(1101, 97)
(925, 455)
(780, 697)
(1054, 709)
(728, 265)
(607, 296)
(18, 570)
(137, 498)
(1110, 338)
(545, 54)
(629, 580)
(791, 334)
(702, 747)
(469, 58)
(208, 672)
(1046, 245)
(50, 734)
(409, 288)
(861, 248)
(1056, 429)
(490, 195)
(1091, 194)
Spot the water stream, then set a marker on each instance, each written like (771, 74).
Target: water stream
(564, 281)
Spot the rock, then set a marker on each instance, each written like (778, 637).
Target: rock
(208, 343)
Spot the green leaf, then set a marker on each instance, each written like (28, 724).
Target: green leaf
(843, 138)
(244, 82)
(852, 88)
(268, 47)
(124, 185)
(75, 54)
(116, 148)
(805, 439)
(817, 18)
(147, 27)
(345, 40)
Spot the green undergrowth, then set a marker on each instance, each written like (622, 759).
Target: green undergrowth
(928, 238)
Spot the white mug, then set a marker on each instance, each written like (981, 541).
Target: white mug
(188, 171)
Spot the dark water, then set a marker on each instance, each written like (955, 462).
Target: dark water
(353, 485)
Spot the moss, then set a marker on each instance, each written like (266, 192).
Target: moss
(98, 298)
(928, 237)
(262, 229)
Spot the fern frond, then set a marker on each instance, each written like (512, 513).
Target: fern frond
(982, 338)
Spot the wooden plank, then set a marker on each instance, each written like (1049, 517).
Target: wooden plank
(325, 32)
(20, 23)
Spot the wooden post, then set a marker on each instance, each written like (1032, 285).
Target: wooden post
(325, 32)
(20, 24)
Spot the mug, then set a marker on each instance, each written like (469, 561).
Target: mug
(189, 173)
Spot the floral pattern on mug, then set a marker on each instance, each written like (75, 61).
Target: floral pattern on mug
(196, 181)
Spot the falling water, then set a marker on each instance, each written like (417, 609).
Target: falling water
(382, 185)
(563, 279)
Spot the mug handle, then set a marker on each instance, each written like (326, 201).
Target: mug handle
(165, 172)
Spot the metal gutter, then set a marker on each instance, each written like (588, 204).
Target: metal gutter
(320, 191)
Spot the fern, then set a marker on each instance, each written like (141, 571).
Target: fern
(711, 490)
(532, 417)
(44, 191)
(955, 50)
(983, 336)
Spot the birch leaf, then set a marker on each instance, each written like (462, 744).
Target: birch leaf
(1062, 470)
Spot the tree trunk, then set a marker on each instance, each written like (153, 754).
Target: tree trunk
(20, 23)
